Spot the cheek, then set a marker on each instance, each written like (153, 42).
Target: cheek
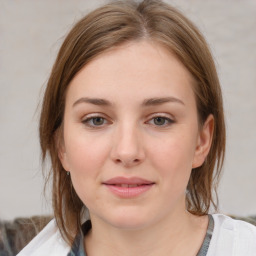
(86, 157)
(174, 157)
(85, 154)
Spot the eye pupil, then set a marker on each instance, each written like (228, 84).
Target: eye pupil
(159, 121)
(98, 121)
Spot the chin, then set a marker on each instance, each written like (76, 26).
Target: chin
(129, 224)
(129, 220)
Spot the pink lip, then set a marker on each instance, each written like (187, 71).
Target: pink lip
(129, 181)
(128, 187)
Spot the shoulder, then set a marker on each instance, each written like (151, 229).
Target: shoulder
(47, 242)
(240, 228)
(232, 237)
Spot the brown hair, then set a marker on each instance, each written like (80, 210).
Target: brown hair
(107, 27)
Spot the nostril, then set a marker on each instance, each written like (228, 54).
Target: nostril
(127, 162)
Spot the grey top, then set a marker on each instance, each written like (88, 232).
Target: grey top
(204, 248)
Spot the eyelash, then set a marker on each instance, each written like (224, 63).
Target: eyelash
(88, 121)
(167, 121)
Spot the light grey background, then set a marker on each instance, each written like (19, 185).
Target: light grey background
(30, 35)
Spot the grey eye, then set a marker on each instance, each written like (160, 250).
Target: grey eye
(98, 121)
(160, 120)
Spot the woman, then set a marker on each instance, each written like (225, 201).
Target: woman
(133, 122)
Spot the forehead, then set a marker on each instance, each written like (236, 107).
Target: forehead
(136, 70)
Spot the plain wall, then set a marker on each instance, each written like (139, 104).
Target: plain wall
(30, 35)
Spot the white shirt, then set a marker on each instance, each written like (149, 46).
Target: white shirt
(230, 238)
(47, 243)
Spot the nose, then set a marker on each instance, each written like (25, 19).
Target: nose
(127, 147)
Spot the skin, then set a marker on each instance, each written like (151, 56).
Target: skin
(125, 138)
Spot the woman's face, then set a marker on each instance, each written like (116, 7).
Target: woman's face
(131, 135)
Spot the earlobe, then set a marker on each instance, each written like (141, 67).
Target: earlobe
(204, 142)
(63, 159)
(62, 155)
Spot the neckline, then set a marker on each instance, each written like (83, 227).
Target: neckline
(207, 239)
(78, 249)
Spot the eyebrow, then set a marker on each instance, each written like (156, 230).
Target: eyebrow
(159, 101)
(146, 102)
(94, 101)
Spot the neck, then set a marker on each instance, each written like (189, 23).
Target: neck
(181, 234)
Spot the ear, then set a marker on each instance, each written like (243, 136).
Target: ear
(204, 142)
(60, 146)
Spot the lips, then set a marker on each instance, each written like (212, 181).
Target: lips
(128, 187)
